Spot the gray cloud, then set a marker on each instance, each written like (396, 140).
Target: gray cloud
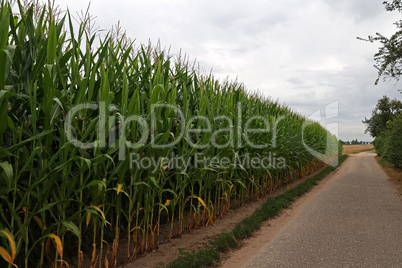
(358, 9)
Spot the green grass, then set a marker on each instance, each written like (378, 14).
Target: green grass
(225, 241)
(205, 257)
(245, 228)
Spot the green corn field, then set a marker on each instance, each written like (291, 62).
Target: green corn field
(103, 140)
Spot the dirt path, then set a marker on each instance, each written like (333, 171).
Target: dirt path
(352, 219)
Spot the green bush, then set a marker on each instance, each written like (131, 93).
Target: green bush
(379, 145)
(389, 143)
(393, 141)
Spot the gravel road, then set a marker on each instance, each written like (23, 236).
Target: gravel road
(354, 221)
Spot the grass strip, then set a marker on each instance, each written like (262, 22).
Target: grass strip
(244, 229)
(202, 258)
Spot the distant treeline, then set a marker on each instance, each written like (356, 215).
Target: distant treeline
(355, 142)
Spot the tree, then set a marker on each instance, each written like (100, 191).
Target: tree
(384, 111)
(393, 141)
(389, 56)
(385, 125)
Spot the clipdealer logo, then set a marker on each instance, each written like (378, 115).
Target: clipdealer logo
(327, 117)
(112, 130)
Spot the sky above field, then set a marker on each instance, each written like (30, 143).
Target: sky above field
(302, 52)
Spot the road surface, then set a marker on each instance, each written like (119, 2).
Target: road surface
(355, 220)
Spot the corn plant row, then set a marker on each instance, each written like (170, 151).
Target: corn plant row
(101, 140)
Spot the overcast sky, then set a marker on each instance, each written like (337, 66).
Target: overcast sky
(302, 52)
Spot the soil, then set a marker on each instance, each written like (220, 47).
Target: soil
(197, 239)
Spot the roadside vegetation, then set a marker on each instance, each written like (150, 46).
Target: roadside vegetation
(385, 126)
(74, 115)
